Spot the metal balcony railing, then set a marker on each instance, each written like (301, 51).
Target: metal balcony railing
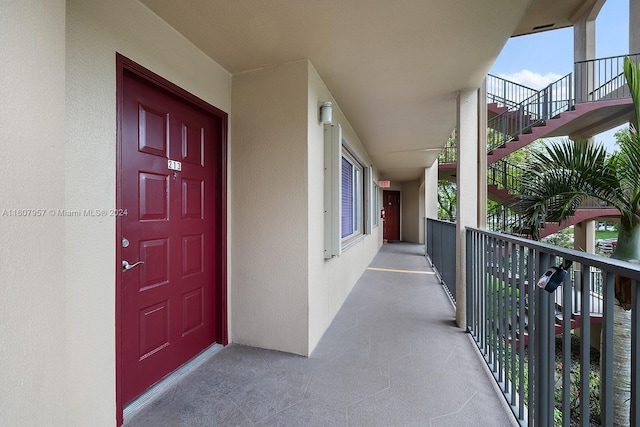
(525, 333)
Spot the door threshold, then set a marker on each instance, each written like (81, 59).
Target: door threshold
(161, 386)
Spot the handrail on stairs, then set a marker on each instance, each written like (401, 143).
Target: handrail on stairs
(505, 93)
(592, 80)
(601, 79)
(506, 175)
(533, 111)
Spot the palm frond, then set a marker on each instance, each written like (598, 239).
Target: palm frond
(560, 178)
(627, 164)
(632, 75)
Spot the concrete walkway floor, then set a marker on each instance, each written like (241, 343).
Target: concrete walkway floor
(393, 356)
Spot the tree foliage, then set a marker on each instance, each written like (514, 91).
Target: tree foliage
(447, 200)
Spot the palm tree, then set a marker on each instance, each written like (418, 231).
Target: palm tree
(560, 178)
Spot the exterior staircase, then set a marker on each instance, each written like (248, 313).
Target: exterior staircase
(553, 126)
(591, 100)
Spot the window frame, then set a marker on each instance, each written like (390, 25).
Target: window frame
(375, 203)
(357, 228)
(335, 149)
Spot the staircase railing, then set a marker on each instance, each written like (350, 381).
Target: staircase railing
(508, 176)
(505, 93)
(504, 175)
(592, 80)
(503, 219)
(533, 111)
(601, 79)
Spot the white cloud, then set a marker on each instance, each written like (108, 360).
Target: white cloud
(530, 79)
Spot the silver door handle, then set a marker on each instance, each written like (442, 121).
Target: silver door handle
(126, 266)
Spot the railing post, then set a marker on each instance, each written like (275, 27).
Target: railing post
(576, 81)
(606, 351)
(635, 354)
(470, 279)
(570, 101)
(543, 375)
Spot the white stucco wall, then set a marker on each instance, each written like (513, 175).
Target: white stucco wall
(269, 205)
(284, 294)
(330, 281)
(32, 292)
(411, 211)
(58, 80)
(96, 30)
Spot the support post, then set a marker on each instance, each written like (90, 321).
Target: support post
(467, 190)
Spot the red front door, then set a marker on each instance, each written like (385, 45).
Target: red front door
(391, 203)
(171, 215)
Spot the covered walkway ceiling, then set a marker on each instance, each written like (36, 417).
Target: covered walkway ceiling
(394, 67)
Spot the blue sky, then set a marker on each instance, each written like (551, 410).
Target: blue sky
(539, 59)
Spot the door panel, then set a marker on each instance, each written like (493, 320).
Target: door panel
(391, 203)
(168, 302)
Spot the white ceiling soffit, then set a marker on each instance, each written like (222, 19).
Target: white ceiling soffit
(545, 15)
(394, 67)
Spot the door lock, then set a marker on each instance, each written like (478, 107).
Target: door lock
(126, 266)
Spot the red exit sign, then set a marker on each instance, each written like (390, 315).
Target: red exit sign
(385, 184)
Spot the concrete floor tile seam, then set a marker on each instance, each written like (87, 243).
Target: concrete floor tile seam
(239, 408)
(271, 373)
(349, 328)
(364, 399)
(396, 359)
(397, 395)
(265, 421)
(275, 414)
(457, 411)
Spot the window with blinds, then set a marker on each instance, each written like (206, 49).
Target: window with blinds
(351, 196)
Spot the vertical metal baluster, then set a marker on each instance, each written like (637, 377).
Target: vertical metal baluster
(551, 357)
(483, 286)
(635, 352)
(469, 275)
(606, 351)
(585, 347)
(568, 287)
(543, 389)
(500, 329)
(513, 344)
(532, 271)
(521, 331)
(492, 305)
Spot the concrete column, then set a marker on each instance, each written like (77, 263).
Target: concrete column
(584, 236)
(467, 195)
(584, 233)
(634, 26)
(584, 38)
(482, 155)
(422, 193)
(584, 48)
(431, 191)
(428, 199)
